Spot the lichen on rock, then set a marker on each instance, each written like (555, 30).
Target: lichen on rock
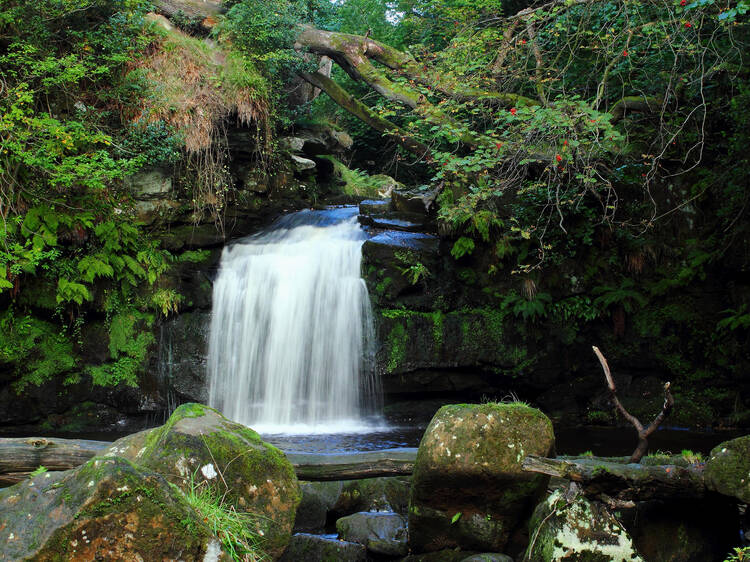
(577, 530)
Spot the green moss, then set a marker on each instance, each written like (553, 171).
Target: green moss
(437, 330)
(397, 346)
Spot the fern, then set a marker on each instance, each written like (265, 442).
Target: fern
(70, 291)
(92, 267)
(462, 247)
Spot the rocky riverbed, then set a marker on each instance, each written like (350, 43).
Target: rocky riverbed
(469, 499)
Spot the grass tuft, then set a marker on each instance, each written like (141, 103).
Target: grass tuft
(234, 529)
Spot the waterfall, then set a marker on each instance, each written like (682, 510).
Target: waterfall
(291, 339)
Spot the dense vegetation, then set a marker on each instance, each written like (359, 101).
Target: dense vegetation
(594, 153)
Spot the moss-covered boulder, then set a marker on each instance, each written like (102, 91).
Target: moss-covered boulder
(577, 530)
(198, 444)
(468, 489)
(728, 469)
(106, 509)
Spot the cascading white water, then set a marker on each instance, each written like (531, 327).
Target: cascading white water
(290, 347)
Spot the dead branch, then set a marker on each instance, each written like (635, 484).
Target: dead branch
(618, 484)
(643, 433)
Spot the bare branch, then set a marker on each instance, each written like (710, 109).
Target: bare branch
(643, 434)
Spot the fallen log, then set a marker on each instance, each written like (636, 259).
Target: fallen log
(20, 456)
(25, 454)
(623, 482)
(353, 466)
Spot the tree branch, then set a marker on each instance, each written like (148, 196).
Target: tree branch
(643, 434)
(364, 113)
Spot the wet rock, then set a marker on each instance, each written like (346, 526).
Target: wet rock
(314, 548)
(428, 348)
(404, 222)
(381, 533)
(728, 469)
(373, 494)
(373, 206)
(182, 356)
(577, 530)
(106, 509)
(198, 444)
(468, 489)
(317, 500)
(413, 201)
(386, 259)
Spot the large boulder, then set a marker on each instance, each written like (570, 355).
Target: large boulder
(198, 444)
(728, 469)
(381, 533)
(106, 509)
(468, 488)
(575, 528)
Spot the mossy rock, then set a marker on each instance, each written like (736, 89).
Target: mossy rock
(728, 469)
(468, 488)
(198, 444)
(381, 532)
(579, 531)
(106, 509)
(388, 493)
(317, 500)
(316, 548)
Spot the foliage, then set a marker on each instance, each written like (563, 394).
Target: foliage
(739, 554)
(37, 349)
(413, 270)
(359, 183)
(69, 241)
